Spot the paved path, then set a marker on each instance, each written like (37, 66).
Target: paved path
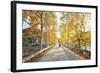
(58, 54)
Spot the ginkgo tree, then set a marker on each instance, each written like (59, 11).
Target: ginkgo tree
(76, 29)
(42, 27)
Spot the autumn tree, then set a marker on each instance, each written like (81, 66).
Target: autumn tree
(77, 28)
(42, 26)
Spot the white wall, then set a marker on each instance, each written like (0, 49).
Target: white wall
(5, 36)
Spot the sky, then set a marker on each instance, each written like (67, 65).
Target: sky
(58, 15)
(26, 22)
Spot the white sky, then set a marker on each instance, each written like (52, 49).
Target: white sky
(58, 15)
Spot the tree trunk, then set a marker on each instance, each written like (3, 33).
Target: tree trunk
(41, 30)
(79, 45)
(68, 40)
(85, 46)
(47, 35)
